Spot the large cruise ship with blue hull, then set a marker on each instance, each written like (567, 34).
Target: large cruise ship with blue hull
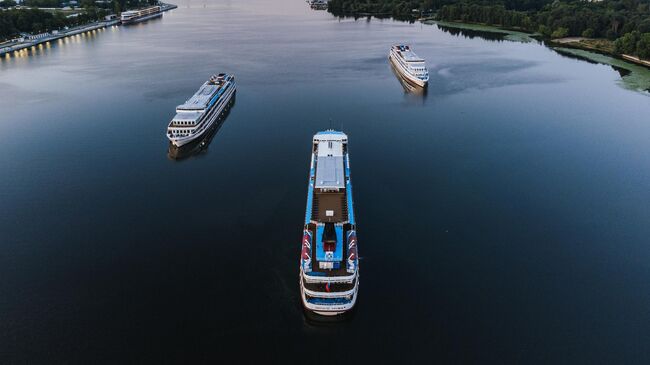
(329, 261)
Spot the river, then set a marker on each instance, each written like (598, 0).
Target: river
(502, 215)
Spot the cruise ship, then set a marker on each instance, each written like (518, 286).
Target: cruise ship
(199, 113)
(329, 260)
(135, 16)
(409, 65)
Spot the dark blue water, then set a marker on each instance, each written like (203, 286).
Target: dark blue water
(503, 216)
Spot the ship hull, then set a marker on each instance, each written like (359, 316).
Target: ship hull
(407, 76)
(142, 19)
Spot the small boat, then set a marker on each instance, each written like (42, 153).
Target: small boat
(411, 67)
(329, 260)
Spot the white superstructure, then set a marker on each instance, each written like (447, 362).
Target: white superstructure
(409, 65)
(199, 113)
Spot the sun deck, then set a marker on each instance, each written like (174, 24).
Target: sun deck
(407, 54)
(207, 94)
(329, 199)
(329, 207)
(412, 57)
(201, 99)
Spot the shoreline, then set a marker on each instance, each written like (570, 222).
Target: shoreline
(52, 36)
(587, 44)
(517, 35)
(639, 70)
(592, 44)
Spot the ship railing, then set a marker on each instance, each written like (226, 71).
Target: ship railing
(328, 279)
(340, 294)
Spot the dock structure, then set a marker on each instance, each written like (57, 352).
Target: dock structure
(35, 40)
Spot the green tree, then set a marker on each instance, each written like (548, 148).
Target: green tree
(7, 3)
(544, 30)
(588, 33)
(643, 46)
(627, 43)
(560, 32)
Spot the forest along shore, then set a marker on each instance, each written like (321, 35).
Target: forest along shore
(602, 46)
(620, 28)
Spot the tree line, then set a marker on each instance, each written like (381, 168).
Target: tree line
(625, 21)
(395, 8)
(16, 21)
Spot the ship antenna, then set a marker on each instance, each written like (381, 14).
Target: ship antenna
(331, 124)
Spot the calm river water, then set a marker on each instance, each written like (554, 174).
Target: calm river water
(504, 216)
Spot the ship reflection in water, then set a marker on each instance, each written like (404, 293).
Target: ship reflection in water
(200, 145)
(412, 90)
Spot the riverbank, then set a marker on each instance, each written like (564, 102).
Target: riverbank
(509, 34)
(635, 73)
(20, 45)
(35, 40)
(604, 46)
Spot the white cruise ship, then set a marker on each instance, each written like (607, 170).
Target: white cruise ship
(411, 67)
(199, 113)
(135, 16)
(329, 261)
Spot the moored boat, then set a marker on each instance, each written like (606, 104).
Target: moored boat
(199, 113)
(409, 65)
(329, 261)
(135, 16)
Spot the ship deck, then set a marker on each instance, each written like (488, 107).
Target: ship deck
(330, 207)
(201, 99)
(408, 55)
(342, 270)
